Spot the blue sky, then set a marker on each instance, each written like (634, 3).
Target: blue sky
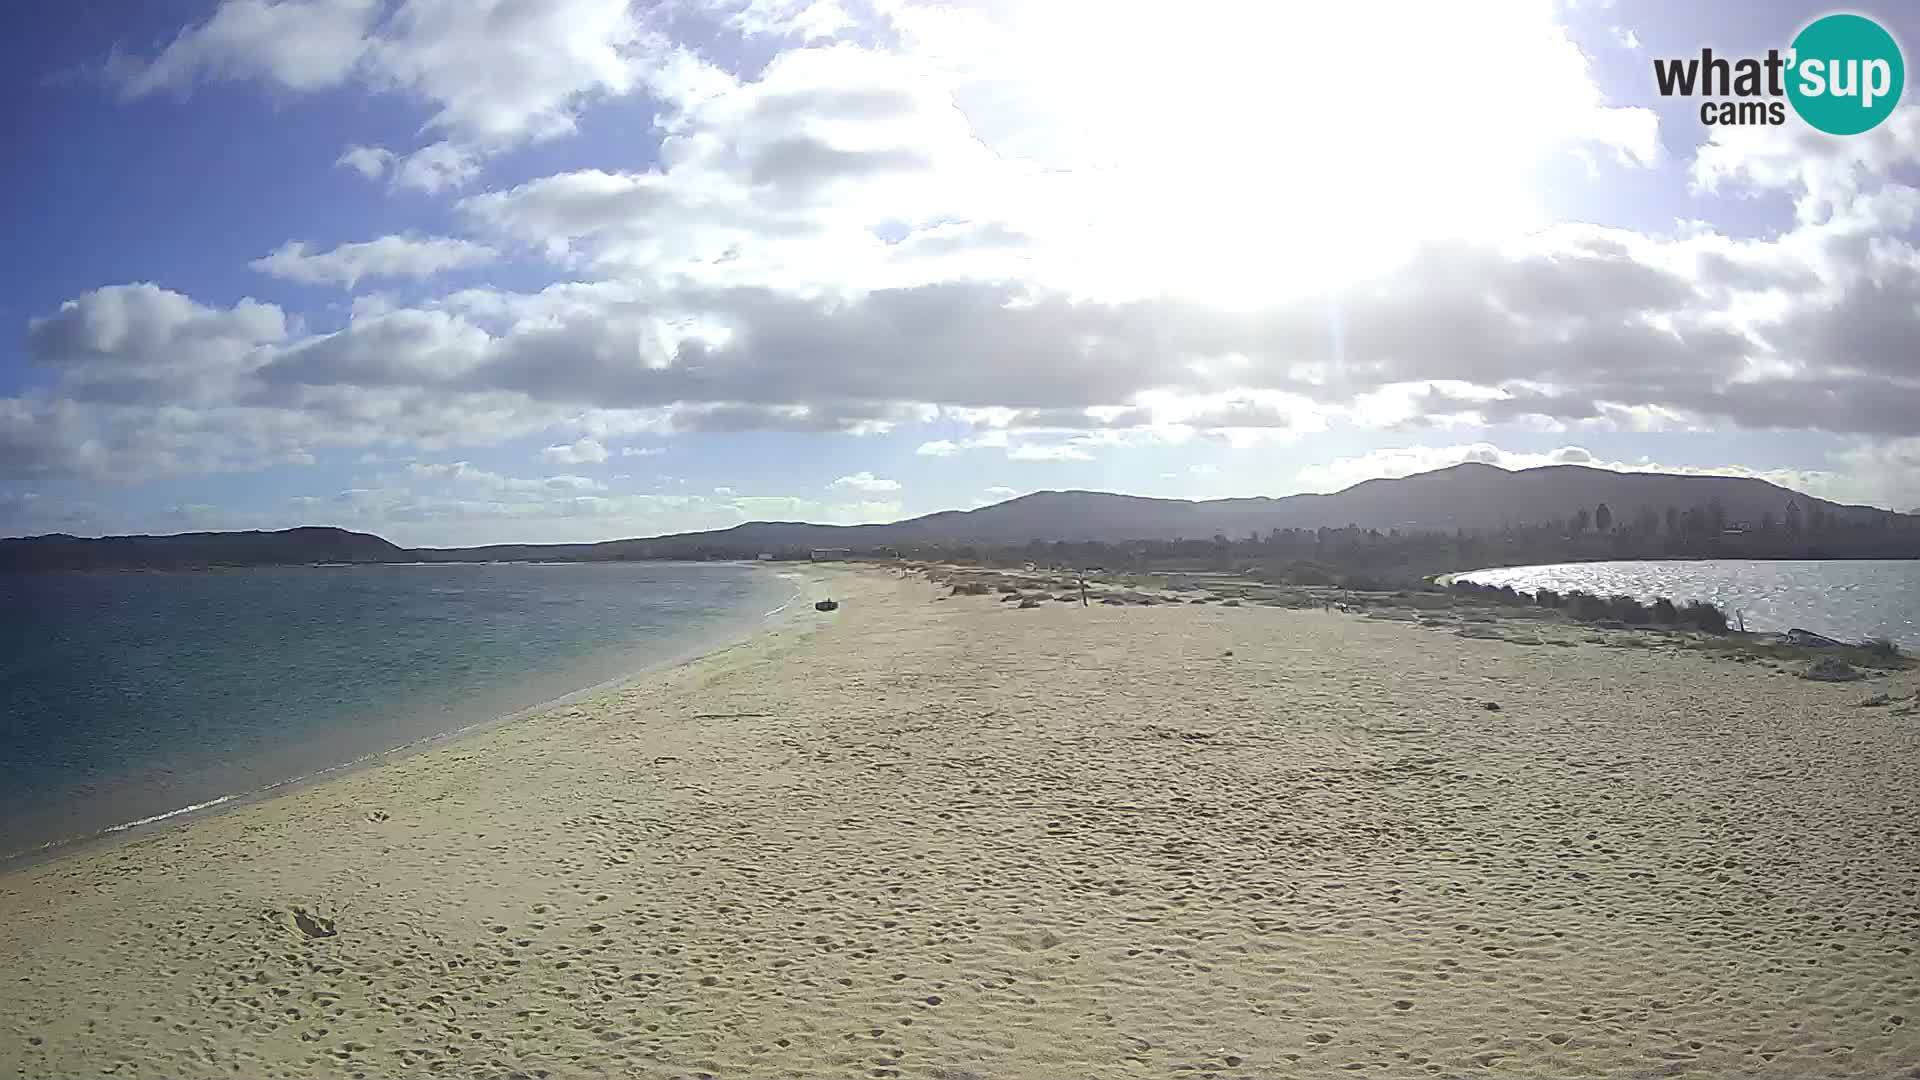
(464, 271)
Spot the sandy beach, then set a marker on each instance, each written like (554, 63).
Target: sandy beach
(947, 837)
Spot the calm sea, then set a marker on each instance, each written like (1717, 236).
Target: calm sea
(124, 696)
(1846, 599)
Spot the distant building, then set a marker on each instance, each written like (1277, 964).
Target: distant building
(766, 556)
(828, 554)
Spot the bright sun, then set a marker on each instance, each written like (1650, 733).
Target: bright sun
(1239, 150)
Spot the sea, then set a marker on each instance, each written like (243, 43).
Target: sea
(133, 698)
(1852, 599)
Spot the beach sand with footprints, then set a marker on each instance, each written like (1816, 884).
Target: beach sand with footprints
(947, 836)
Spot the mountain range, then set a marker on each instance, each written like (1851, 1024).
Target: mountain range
(1472, 496)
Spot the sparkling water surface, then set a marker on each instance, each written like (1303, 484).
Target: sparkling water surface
(1847, 599)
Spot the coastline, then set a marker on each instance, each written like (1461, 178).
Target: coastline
(933, 835)
(726, 635)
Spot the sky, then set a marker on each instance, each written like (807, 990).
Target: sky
(476, 271)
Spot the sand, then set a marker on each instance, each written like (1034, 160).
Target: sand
(953, 838)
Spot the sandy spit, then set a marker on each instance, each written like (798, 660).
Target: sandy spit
(953, 838)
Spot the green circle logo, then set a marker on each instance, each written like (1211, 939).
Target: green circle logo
(1846, 74)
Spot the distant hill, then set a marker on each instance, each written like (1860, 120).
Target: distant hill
(1470, 496)
(191, 550)
(1474, 497)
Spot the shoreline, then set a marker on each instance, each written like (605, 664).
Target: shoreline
(937, 834)
(730, 633)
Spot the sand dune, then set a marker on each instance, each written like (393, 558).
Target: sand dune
(959, 838)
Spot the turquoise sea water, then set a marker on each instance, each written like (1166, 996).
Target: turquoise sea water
(1847, 599)
(124, 696)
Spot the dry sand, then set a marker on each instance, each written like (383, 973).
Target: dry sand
(961, 839)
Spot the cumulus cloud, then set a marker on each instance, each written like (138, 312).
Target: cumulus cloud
(293, 45)
(498, 72)
(371, 162)
(760, 181)
(442, 166)
(462, 474)
(864, 481)
(492, 73)
(141, 344)
(912, 213)
(584, 451)
(1038, 452)
(389, 256)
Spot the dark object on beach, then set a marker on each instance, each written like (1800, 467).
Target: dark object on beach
(1490, 706)
(826, 605)
(314, 926)
(1807, 639)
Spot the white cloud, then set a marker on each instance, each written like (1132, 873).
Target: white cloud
(442, 166)
(782, 180)
(493, 73)
(499, 72)
(295, 45)
(1002, 492)
(946, 222)
(1036, 452)
(437, 167)
(461, 474)
(388, 256)
(584, 451)
(371, 162)
(805, 20)
(642, 451)
(864, 481)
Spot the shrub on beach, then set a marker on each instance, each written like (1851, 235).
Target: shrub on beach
(1380, 584)
(1587, 607)
(1830, 669)
(1704, 616)
(1664, 612)
(1304, 572)
(1630, 611)
(1547, 598)
(1884, 648)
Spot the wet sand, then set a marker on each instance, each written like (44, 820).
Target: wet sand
(931, 836)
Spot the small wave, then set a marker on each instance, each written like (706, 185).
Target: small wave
(799, 591)
(125, 825)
